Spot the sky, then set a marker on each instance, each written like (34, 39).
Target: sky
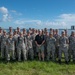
(37, 13)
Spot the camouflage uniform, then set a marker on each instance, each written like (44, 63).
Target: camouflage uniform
(16, 42)
(57, 45)
(21, 48)
(34, 45)
(25, 40)
(9, 33)
(10, 52)
(0, 41)
(30, 47)
(51, 47)
(63, 47)
(72, 47)
(3, 46)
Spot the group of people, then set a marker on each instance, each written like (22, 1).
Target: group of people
(22, 45)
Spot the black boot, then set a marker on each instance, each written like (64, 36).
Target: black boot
(59, 61)
(69, 60)
(66, 62)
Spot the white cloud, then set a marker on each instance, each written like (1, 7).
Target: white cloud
(62, 21)
(5, 15)
(3, 10)
(8, 15)
(6, 18)
(55, 23)
(16, 13)
(21, 22)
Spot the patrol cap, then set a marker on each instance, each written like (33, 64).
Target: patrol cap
(34, 29)
(10, 27)
(28, 31)
(18, 28)
(24, 29)
(51, 29)
(65, 30)
(57, 30)
(29, 28)
(45, 28)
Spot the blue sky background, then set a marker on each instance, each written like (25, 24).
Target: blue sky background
(37, 13)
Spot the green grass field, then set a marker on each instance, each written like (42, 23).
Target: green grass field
(36, 68)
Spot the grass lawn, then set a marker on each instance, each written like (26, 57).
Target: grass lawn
(36, 68)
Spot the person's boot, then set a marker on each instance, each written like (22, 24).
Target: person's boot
(69, 60)
(66, 62)
(59, 61)
(8, 60)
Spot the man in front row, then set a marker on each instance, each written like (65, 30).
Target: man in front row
(39, 40)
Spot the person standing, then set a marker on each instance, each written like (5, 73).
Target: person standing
(10, 31)
(15, 36)
(18, 31)
(33, 43)
(39, 40)
(63, 47)
(3, 45)
(30, 52)
(10, 52)
(1, 33)
(57, 36)
(51, 46)
(21, 48)
(72, 46)
(45, 44)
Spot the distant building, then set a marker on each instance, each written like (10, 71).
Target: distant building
(72, 27)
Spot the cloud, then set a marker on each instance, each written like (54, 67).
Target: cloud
(8, 15)
(6, 18)
(62, 21)
(16, 13)
(5, 15)
(21, 22)
(67, 17)
(3, 10)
